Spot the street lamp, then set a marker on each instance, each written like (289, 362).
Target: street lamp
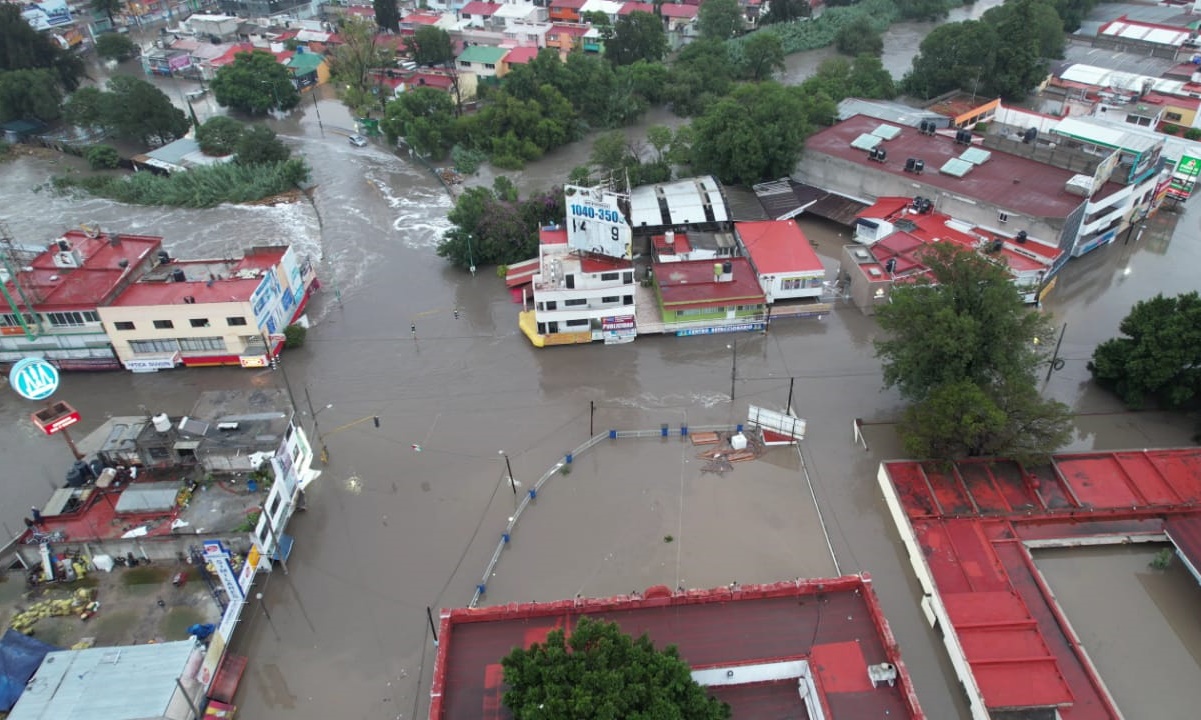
(1056, 362)
(317, 428)
(733, 348)
(509, 468)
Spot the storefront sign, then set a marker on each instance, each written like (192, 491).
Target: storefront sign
(59, 423)
(1184, 177)
(246, 577)
(33, 378)
(621, 322)
(153, 364)
(217, 556)
(717, 329)
(253, 361)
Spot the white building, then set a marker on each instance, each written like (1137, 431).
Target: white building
(579, 296)
(784, 261)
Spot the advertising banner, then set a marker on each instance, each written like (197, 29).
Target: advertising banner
(596, 224)
(46, 14)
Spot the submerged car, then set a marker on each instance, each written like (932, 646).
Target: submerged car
(357, 140)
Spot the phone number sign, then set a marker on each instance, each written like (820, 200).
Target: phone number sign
(596, 224)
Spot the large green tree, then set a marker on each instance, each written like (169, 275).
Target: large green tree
(753, 134)
(963, 348)
(135, 109)
(32, 94)
(488, 229)
(779, 11)
(254, 83)
(953, 55)
(1157, 358)
(636, 36)
(424, 117)
(720, 19)
(259, 146)
(23, 48)
(762, 55)
(859, 36)
(701, 74)
(431, 46)
(219, 135)
(387, 16)
(352, 61)
(600, 672)
(115, 46)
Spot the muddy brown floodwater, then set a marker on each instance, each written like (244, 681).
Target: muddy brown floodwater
(1139, 625)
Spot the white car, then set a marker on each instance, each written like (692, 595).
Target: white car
(357, 140)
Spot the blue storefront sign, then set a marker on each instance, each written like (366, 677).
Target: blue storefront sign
(716, 329)
(33, 378)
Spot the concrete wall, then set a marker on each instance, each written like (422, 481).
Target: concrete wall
(852, 180)
(158, 549)
(180, 316)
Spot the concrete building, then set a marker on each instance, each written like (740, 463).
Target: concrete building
(1067, 190)
(783, 259)
(136, 682)
(484, 61)
(689, 204)
(579, 296)
(892, 234)
(1145, 38)
(799, 649)
(702, 297)
(209, 312)
(52, 295)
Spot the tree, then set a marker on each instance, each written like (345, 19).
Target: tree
(953, 55)
(1029, 19)
(387, 16)
(135, 109)
(109, 8)
(23, 48)
(636, 36)
(753, 134)
(254, 83)
(858, 37)
(115, 46)
(1157, 359)
(103, 157)
(719, 19)
(424, 117)
(259, 146)
(352, 61)
(963, 348)
(600, 672)
(430, 46)
(780, 11)
(928, 10)
(762, 55)
(29, 94)
(219, 135)
(490, 230)
(701, 74)
(85, 107)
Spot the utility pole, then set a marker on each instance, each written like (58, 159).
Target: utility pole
(591, 417)
(733, 367)
(509, 468)
(788, 407)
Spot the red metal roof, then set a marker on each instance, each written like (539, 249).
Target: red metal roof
(521, 55)
(592, 263)
(971, 522)
(573, 30)
(692, 283)
(553, 235)
(92, 285)
(421, 17)
(835, 624)
(1005, 180)
(778, 246)
(669, 10)
(477, 7)
(200, 285)
(568, 4)
(631, 7)
(679, 244)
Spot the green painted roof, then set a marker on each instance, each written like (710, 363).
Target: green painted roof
(483, 54)
(305, 63)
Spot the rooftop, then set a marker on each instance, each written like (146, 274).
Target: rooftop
(631, 7)
(305, 62)
(970, 528)
(206, 281)
(693, 282)
(835, 627)
(107, 683)
(477, 7)
(690, 201)
(483, 54)
(685, 12)
(1128, 29)
(778, 246)
(521, 55)
(1005, 180)
(96, 280)
(568, 4)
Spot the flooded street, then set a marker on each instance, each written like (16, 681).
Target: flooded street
(391, 531)
(1147, 613)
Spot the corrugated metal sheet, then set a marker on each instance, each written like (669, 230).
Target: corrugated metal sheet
(135, 682)
(148, 497)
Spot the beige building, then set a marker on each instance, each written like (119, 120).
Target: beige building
(209, 312)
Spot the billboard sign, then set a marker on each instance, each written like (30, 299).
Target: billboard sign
(1184, 177)
(595, 222)
(46, 14)
(217, 555)
(33, 378)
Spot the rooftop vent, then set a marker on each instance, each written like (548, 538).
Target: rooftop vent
(927, 127)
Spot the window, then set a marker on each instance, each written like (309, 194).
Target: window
(235, 321)
(202, 344)
(627, 278)
(575, 302)
(490, 66)
(199, 322)
(611, 299)
(1002, 216)
(11, 320)
(552, 304)
(465, 63)
(627, 299)
(792, 284)
(163, 324)
(71, 319)
(1173, 117)
(123, 325)
(144, 347)
(577, 323)
(605, 277)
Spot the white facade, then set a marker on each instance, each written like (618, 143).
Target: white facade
(577, 294)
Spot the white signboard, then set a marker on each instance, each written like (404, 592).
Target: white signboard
(595, 222)
(217, 556)
(153, 364)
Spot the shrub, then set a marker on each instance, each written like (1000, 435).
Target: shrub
(1170, 129)
(201, 187)
(1192, 134)
(219, 135)
(103, 157)
(294, 336)
(115, 46)
(467, 160)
